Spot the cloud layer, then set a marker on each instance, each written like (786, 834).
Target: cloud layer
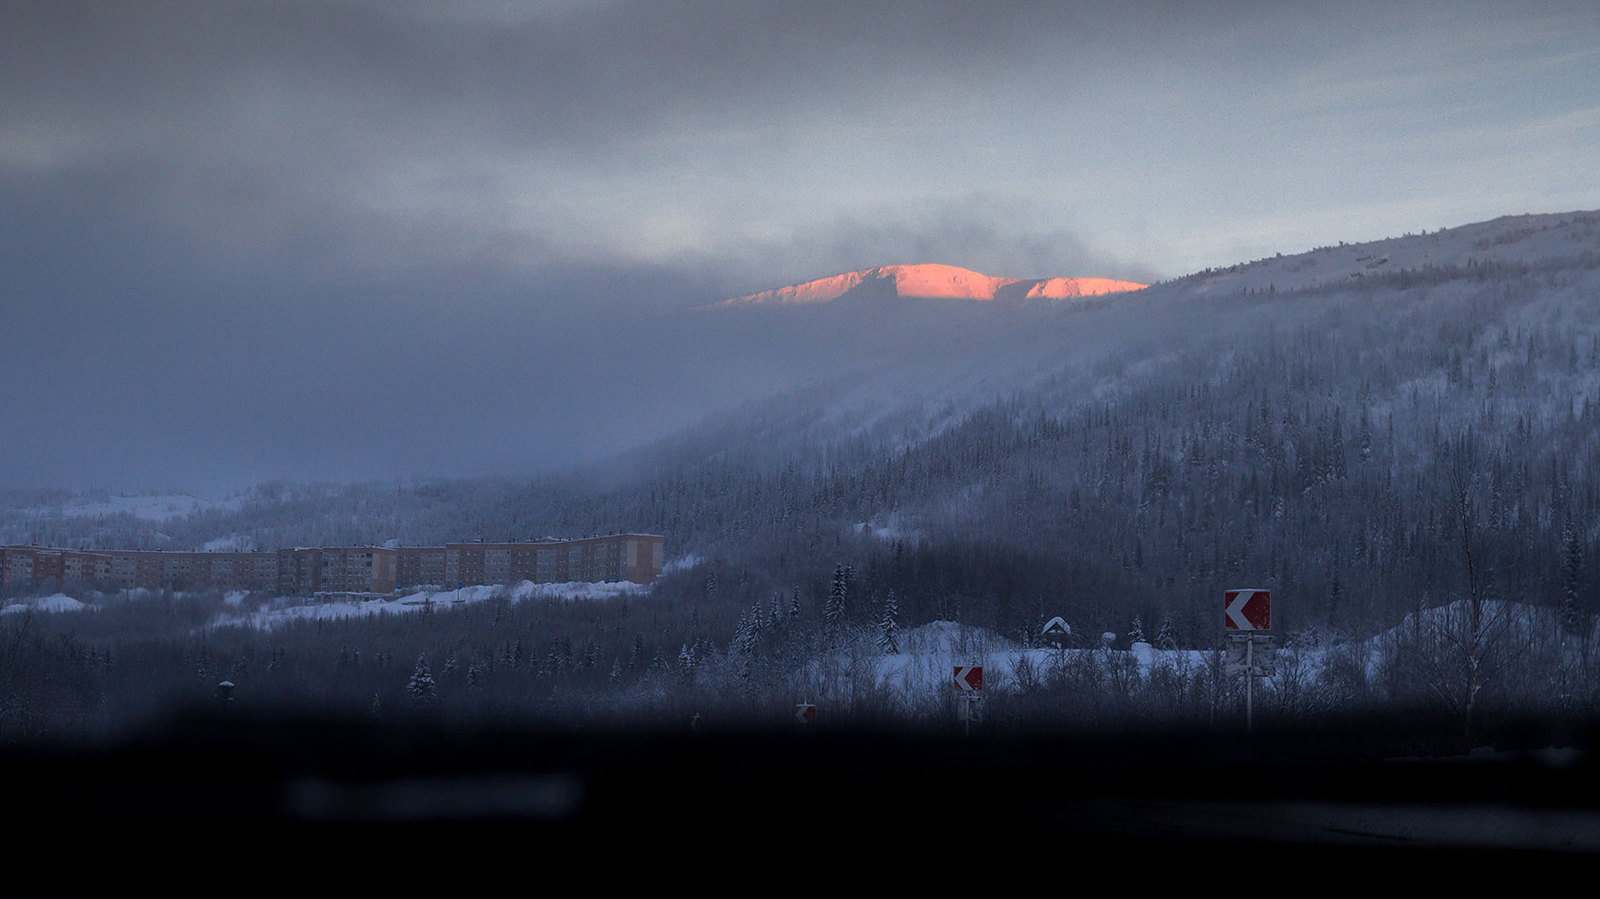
(219, 220)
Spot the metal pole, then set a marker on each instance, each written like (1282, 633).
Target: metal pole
(1249, 684)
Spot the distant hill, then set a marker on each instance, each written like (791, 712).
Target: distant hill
(927, 281)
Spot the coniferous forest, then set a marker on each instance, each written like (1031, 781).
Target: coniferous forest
(1408, 461)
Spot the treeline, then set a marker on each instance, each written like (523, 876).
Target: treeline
(637, 663)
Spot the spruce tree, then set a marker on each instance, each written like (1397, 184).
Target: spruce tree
(889, 625)
(833, 611)
(744, 635)
(1136, 631)
(1165, 638)
(421, 687)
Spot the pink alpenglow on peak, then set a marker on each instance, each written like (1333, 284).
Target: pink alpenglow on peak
(928, 281)
(1068, 288)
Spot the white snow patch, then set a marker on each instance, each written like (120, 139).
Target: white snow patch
(285, 610)
(56, 602)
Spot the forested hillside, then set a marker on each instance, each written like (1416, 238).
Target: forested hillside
(1347, 444)
(1370, 448)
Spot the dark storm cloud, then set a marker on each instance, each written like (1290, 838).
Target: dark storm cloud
(351, 134)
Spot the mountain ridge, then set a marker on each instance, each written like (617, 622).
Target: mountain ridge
(925, 281)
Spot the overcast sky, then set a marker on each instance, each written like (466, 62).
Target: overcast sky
(242, 240)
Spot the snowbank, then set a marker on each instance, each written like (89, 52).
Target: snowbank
(285, 610)
(56, 602)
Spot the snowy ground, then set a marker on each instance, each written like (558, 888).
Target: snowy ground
(282, 610)
(930, 653)
(56, 602)
(279, 612)
(1509, 239)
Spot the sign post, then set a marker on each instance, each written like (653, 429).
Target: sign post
(1246, 613)
(969, 686)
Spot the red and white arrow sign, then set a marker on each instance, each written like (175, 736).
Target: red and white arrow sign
(1247, 610)
(969, 677)
(805, 713)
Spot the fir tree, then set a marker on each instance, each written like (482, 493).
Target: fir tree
(889, 625)
(1136, 631)
(1165, 637)
(421, 687)
(833, 611)
(745, 634)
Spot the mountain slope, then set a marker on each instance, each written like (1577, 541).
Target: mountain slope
(1508, 240)
(1343, 440)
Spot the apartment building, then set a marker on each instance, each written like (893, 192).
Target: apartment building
(617, 557)
(336, 569)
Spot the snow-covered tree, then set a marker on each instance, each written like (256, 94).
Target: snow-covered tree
(1136, 631)
(421, 687)
(833, 612)
(1166, 638)
(745, 634)
(889, 625)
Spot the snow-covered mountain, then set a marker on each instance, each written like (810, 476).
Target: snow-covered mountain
(858, 368)
(1511, 239)
(927, 281)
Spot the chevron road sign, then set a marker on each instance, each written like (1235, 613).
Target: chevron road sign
(969, 678)
(1247, 610)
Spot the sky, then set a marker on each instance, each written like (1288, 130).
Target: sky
(373, 238)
